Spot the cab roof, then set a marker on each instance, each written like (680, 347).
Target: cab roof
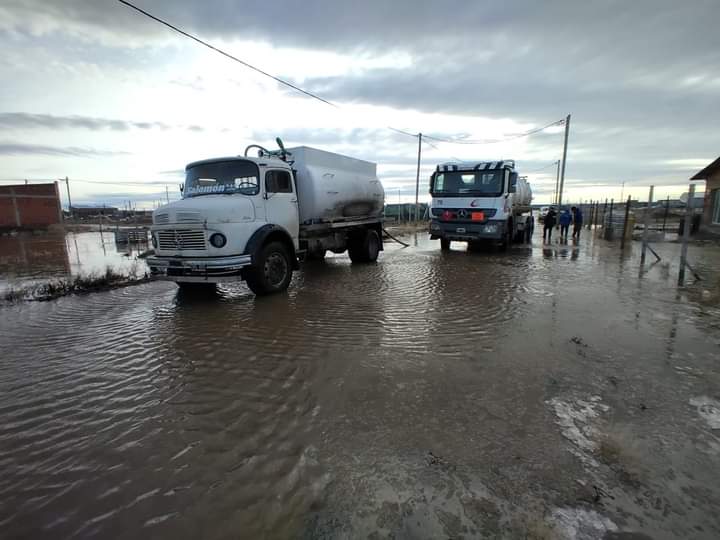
(256, 160)
(476, 165)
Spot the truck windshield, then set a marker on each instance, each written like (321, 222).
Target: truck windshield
(472, 183)
(226, 177)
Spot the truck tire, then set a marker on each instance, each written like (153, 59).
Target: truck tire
(508, 237)
(366, 248)
(444, 244)
(529, 228)
(272, 271)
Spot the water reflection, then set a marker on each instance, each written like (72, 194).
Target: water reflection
(27, 259)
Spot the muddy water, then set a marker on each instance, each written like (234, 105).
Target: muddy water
(544, 391)
(30, 259)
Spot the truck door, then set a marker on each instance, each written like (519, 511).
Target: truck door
(281, 203)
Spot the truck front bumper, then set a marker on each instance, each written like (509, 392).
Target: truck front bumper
(207, 270)
(489, 230)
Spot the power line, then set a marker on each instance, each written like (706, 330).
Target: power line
(492, 141)
(310, 94)
(228, 55)
(438, 149)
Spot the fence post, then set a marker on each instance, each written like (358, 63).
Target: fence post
(625, 225)
(667, 209)
(647, 226)
(686, 234)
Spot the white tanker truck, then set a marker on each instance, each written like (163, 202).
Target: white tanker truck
(253, 218)
(480, 201)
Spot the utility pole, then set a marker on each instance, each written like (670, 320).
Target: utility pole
(557, 183)
(622, 190)
(167, 195)
(67, 185)
(564, 160)
(417, 177)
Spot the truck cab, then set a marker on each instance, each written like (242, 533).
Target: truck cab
(240, 219)
(230, 205)
(479, 201)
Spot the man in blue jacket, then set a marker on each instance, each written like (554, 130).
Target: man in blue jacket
(577, 222)
(565, 221)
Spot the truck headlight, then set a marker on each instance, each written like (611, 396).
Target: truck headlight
(490, 228)
(218, 240)
(154, 240)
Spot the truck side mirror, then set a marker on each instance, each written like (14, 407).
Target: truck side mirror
(513, 182)
(432, 183)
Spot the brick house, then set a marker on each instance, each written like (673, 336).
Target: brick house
(29, 206)
(711, 208)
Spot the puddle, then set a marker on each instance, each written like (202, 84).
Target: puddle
(27, 260)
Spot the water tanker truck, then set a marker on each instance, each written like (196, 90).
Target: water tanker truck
(255, 218)
(480, 202)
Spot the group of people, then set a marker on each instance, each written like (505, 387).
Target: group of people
(574, 217)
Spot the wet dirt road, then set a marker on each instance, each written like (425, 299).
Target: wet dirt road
(539, 393)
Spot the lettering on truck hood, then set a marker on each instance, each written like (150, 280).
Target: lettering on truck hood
(209, 209)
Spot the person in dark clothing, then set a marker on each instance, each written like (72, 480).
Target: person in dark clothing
(577, 222)
(549, 224)
(565, 221)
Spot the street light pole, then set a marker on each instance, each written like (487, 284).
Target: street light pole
(417, 177)
(557, 183)
(67, 185)
(564, 160)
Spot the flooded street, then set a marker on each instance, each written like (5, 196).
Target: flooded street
(27, 259)
(539, 393)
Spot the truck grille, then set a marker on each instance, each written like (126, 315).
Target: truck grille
(181, 240)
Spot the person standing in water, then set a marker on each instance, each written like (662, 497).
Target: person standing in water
(577, 222)
(565, 221)
(548, 225)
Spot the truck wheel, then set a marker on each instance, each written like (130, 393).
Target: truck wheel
(444, 244)
(272, 270)
(529, 226)
(508, 238)
(366, 248)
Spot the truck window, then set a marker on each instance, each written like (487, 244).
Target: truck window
(226, 177)
(278, 182)
(469, 183)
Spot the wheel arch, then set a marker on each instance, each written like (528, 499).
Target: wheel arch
(271, 233)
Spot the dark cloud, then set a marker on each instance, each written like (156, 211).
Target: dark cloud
(23, 120)
(640, 78)
(20, 149)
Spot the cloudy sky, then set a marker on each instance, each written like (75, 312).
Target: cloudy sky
(94, 91)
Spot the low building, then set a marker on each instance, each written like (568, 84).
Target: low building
(711, 208)
(29, 206)
(88, 211)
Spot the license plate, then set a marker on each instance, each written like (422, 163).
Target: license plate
(460, 230)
